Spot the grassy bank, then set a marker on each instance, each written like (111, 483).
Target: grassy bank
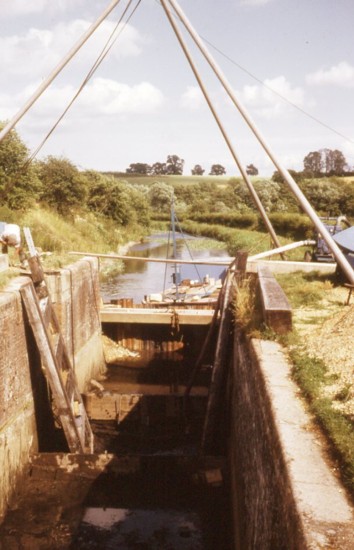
(322, 327)
(325, 383)
(85, 232)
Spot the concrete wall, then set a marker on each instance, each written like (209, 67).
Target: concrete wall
(76, 298)
(24, 407)
(285, 494)
(18, 436)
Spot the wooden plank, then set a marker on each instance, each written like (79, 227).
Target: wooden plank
(276, 308)
(222, 353)
(75, 426)
(137, 406)
(114, 314)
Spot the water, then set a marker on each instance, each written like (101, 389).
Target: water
(141, 278)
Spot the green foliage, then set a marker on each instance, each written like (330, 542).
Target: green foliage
(217, 170)
(19, 184)
(326, 162)
(251, 170)
(139, 168)
(174, 165)
(235, 239)
(197, 170)
(87, 232)
(292, 225)
(324, 195)
(273, 196)
(304, 289)
(227, 219)
(311, 375)
(117, 200)
(160, 195)
(64, 187)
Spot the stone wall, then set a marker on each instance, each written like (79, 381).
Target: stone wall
(24, 405)
(18, 434)
(75, 294)
(285, 495)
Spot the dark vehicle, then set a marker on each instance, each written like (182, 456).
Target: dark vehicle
(321, 251)
(345, 241)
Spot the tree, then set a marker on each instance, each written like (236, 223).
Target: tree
(324, 195)
(278, 178)
(158, 169)
(217, 170)
(251, 170)
(160, 195)
(139, 168)
(174, 165)
(313, 164)
(197, 170)
(325, 162)
(19, 183)
(64, 187)
(336, 163)
(116, 199)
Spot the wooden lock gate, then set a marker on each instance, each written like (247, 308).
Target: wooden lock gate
(67, 403)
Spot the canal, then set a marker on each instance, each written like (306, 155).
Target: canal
(147, 485)
(141, 278)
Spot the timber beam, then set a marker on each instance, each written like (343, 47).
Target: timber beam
(276, 308)
(146, 316)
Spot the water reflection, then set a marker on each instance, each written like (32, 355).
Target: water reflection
(141, 278)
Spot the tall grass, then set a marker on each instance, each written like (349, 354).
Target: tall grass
(235, 239)
(83, 233)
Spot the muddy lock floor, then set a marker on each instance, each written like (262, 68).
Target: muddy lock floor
(147, 486)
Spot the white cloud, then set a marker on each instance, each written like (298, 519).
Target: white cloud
(254, 2)
(111, 97)
(338, 75)
(268, 104)
(192, 98)
(100, 97)
(37, 51)
(15, 8)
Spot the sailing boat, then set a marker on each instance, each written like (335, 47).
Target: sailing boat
(204, 289)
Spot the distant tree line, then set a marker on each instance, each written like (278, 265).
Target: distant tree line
(320, 164)
(59, 184)
(172, 167)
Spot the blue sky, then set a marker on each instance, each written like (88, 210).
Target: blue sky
(143, 102)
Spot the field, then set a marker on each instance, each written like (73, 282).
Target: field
(177, 180)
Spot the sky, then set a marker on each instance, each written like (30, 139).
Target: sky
(289, 62)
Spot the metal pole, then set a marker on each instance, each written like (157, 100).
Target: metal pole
(222, 129)
(338, 254)
(153, 260)
(173, 227)
(57, 70)
(284, 248)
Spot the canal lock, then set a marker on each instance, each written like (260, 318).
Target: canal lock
(148, 485)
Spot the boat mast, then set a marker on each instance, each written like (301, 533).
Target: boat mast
(176, 275)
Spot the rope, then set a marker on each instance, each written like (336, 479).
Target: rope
(104, 52)
(261, 82)
(190, 254)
